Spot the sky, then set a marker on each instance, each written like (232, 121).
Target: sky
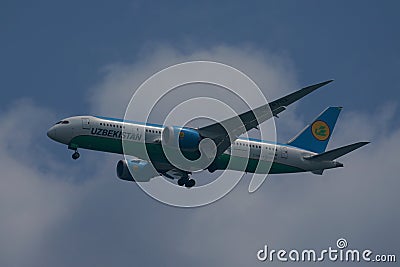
(60, 59)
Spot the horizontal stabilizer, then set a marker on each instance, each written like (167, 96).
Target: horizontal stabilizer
(337, 152)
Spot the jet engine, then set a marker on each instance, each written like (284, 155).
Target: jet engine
(141, 170)
(187, 138)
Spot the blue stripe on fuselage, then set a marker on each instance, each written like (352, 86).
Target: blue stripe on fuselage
(162, 126)
(129, 121)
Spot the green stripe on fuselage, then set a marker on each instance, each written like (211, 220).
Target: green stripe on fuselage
(155, 152)
(276, 167)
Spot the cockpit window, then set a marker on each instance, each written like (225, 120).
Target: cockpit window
(62, 122)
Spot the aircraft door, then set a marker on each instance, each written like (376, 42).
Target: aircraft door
(86, 124)
(255, 152)
(284, 152)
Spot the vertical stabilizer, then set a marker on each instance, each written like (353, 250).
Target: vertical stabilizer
(315, 136)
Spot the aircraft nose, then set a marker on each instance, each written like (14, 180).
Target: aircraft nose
(51, 133)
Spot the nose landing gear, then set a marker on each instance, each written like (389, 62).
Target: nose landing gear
(74, 147)
(76, 155)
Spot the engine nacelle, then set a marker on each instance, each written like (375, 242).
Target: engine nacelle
(187, 138)
(141, 170)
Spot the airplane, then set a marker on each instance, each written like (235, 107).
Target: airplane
(303, 153)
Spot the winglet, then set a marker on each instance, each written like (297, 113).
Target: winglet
(293, 97)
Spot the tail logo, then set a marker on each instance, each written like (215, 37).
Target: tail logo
(320, 130)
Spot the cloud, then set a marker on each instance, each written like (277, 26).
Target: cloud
(31, 200)
(38, 191)
(273, 74)
(305, 211)
(58, 212)
(299, 210)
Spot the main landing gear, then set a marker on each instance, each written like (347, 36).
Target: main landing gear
(76, 155)
(187, 182)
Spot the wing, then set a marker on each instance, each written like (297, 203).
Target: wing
(239, 125)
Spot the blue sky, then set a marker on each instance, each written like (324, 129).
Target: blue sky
(52, 49)
(69, 58)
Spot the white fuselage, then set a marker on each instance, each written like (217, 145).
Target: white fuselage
(105, 134)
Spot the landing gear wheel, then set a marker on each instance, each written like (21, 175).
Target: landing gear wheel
(190, 183)
(182, 181)
(76, 155)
